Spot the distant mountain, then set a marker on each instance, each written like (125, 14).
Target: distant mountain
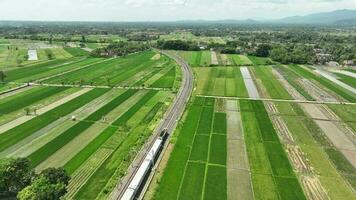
(345, 16)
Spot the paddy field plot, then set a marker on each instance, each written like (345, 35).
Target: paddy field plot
(259, 60)
(266, 79)
(198, 160)
(123, 71)
(348, 79)
(196, 58)
(42, 70)
(336, 89)
(104, 119)
(239, 60)
(220, 81)
(192, 57)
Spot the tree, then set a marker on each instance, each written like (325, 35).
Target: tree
(15, 175)
(2, 76)
(42, 189)
(56, 175)
(263, 50)
(50, 184)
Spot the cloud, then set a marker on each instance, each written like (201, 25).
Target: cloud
(143, 10)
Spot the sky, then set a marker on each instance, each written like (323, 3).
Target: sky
(163, 10)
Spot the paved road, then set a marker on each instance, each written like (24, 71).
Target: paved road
(169, 122)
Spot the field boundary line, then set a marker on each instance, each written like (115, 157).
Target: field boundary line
(93, 86)
(277, 100)
(190, 152)
(208, 156)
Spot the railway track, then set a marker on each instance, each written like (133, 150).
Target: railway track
(168, 125)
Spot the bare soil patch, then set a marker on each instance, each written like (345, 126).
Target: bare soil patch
(291, 90)
(313, 188)
(316, 92)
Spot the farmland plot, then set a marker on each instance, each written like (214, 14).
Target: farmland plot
(107, 174)
(24, 130)
(273, 87)
(198, 160)
(240, 60)
(259, 60)
(116, 72)
(42, 70)
(205, 60)
(192, 57)
(220, 81)
(306, 73)
(272, 174)
(37, 98)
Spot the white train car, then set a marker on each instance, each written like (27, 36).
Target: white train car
(141, 173)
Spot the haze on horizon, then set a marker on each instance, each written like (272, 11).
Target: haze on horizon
(163, 10)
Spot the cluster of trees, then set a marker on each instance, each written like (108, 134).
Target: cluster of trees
(178, 45)
(120, 49)
(18, 180)
(298, 54)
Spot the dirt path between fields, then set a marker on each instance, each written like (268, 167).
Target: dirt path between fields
(49, 107)
(239, 184)
(214, 58)
(3, 96)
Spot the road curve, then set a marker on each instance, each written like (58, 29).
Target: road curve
(168, 123)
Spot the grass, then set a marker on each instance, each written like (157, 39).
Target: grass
(268, 160)
(291, 77)
(125, 148)
(323, 81)
(274, 88)
(206, 120)
(18, 133)
(193, 182)
(347, 79)
(54, 145)
(289, 188)
(213, 191)
(41, 70)
(76, 52)
(351, 70)
(218, 150)
(325, 160)
(167, 80)
(220, 81)
(192, 57)
(121, 71)
(173, 174)
(90, 149)
(259, 60)
(200, 148)
(220, 123)
(23, 100)
(197, 166)
(240, 60)
(123, 119)
(205, 59)
(264, 187)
